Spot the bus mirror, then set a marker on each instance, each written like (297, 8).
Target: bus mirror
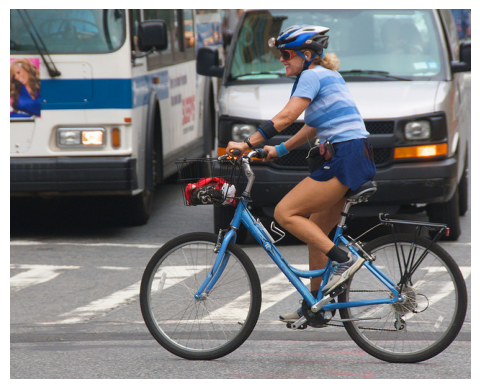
(152, 34)
(208, 62)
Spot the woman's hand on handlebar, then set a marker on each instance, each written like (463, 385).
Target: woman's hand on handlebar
(242, 146)
(272, 153)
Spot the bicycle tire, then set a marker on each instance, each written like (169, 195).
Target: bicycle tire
(206, 328)
(433, 311)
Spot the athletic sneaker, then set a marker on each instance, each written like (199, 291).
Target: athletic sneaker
(343, 271)
(291, 317)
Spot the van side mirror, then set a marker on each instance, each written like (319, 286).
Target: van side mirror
(208, 62)
(152, 34)
(465, 64)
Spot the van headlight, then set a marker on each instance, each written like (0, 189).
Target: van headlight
(242, 131)
(417, 130)
(71, 137)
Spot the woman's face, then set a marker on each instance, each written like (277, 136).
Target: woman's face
(21, 75)
(293, 66)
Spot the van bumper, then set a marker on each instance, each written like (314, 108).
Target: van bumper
(72, 174)
(398, 184)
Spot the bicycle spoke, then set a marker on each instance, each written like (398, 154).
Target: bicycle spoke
(431, 313)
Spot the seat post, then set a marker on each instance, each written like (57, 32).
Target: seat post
(343, 220)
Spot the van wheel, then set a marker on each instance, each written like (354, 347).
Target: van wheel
(463, 189)
(222, 216)
(447, 213)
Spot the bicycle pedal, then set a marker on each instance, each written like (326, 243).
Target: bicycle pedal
(338, 290)
(301, 327)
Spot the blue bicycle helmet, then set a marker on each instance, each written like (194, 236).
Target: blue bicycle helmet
(301, 37)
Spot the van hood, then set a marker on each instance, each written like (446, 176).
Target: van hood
(375, 100)
(394, 99)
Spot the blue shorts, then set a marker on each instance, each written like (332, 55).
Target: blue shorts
(352, 164)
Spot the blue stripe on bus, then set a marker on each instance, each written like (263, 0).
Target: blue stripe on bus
(102, 93)
(89, 94)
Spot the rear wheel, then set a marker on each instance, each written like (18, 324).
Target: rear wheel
(431, 314)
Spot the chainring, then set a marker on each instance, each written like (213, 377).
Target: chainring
(315, 319)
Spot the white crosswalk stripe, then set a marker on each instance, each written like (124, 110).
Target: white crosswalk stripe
(274, 289)
(35, 274)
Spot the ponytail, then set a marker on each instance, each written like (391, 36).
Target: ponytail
(330, 61)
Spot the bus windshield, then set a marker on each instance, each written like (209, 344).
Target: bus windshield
(383, 44)
(66, 30)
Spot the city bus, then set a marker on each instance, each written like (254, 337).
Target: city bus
(102, 102)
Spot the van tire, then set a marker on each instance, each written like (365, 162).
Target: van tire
(447, 213)
(222, 216)
(463, 189)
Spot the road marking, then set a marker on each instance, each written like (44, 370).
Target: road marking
(275, 289)
(150, 246)
(100, 306)
(35, 274)
(102, 244)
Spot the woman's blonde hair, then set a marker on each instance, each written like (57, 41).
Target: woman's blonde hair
(330, 61)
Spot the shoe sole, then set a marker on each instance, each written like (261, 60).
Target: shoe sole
(346, 275)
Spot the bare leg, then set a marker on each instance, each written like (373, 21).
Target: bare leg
(321, 199)
(326, 220)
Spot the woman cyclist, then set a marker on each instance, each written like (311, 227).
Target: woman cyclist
(311, 209)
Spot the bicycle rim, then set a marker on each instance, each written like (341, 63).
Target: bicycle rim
(205, 328)
(430, 316)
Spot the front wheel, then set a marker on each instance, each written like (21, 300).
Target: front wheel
(433, 308)
(212, 325)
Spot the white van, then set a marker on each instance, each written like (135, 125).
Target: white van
(406, 72)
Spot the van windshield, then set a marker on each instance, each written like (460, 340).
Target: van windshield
(384, 45)
(66, 30)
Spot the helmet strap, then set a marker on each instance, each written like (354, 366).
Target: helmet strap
(307, 63)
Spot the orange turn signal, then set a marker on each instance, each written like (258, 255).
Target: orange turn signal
(115, 138)
(420, 151)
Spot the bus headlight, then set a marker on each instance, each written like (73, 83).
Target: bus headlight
(242, 131)
(92, 138)
(68, 138)
(71, 137)
(417, 130)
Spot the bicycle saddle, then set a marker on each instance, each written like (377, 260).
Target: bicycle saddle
(366, 190)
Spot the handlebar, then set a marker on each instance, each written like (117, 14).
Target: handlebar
(245, 163)
(257, 153)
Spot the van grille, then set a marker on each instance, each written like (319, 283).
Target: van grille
(297, 158)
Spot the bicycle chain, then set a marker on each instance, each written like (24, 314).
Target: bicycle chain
(364, 328)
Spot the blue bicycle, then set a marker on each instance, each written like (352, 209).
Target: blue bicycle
(201, 296)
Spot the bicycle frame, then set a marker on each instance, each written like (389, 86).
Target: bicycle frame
(243, 215)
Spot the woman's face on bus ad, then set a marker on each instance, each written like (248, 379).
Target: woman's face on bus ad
(21, 75)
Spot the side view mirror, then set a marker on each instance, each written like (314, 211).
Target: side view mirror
(152, 34)
(227, 38)
(208, 62)
(465, 64)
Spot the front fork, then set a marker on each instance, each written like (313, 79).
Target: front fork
(224, 238)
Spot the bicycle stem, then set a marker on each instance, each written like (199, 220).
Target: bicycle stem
(248, 173)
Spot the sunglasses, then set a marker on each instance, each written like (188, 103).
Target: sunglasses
(287, 54)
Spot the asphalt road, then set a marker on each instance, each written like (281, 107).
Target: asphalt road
(74, 309)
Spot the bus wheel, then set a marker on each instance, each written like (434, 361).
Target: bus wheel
(139, 208)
